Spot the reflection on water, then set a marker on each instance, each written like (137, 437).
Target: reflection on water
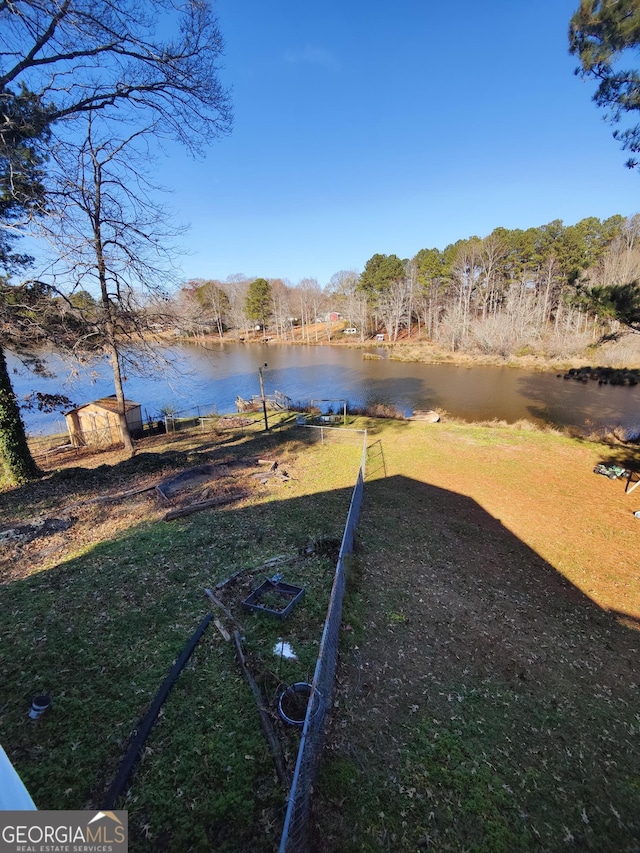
(192, 376)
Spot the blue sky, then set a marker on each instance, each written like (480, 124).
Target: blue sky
(364, 127)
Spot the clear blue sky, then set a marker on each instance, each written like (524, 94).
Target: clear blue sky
(364, 127)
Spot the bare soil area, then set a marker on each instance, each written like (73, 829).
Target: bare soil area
(90, 497)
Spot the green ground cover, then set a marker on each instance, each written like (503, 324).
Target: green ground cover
(100, 628)
(487, 697)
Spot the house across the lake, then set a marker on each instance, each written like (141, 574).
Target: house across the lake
(329, 317)
(97, 424)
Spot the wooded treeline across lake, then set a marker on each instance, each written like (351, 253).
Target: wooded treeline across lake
(543, 290)
(546, 292)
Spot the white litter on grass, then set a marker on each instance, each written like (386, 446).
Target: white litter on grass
(282, 649)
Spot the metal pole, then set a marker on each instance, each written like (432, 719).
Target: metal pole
(264, 402)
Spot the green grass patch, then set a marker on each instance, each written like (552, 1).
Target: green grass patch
(496, 773)
(484, 702)
(101, 628)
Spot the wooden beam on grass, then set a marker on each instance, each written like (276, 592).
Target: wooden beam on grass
(216, 601)
(225, 634)
(274, 562)
(265, 719)
(197, 507)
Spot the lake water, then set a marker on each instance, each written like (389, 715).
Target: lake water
(212, 378)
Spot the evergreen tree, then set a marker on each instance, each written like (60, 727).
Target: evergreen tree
(258, 302)
(22, 197)
(31, 314)
(605, 36)
(379, 273)
(619, 302)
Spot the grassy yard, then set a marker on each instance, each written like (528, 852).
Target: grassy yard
(487, 696)
(96, 613)
(488, 691)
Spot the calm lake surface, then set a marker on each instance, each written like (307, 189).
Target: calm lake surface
(212, 378)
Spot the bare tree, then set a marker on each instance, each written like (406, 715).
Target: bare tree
(186, 311)
(466, 272)
(317, 301)
(308, 296)
(393, 304)
(82, 56)
(236, 286)
(214, 300)
(549, 286)
(432, 306)
(281, 308)
(411, 279)
(110, 237)
(343, 287)
(492, 251)
(155, 64)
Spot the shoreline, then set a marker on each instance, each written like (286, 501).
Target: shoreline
(409, 352)
(622, 354)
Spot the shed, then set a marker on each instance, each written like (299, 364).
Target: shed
(96, 424)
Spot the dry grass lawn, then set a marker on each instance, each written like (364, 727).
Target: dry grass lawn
(489, 687)
(542, 489)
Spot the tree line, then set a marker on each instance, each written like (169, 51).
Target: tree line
(545, 289)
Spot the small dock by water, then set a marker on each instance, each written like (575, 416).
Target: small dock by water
(274, 402)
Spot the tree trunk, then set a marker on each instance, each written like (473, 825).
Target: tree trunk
(14, 450)
(111, 345)
(117, 382)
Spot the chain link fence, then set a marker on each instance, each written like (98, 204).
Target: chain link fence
(320, 434)
(176, 420)
(295, 835)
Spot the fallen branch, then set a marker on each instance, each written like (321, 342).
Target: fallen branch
(265, 719)
(120, 496)
(129, 493)
(188, 510)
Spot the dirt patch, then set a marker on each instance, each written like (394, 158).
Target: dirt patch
(199, 476)
(187, 480)
(98, 497)
(27, 532)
